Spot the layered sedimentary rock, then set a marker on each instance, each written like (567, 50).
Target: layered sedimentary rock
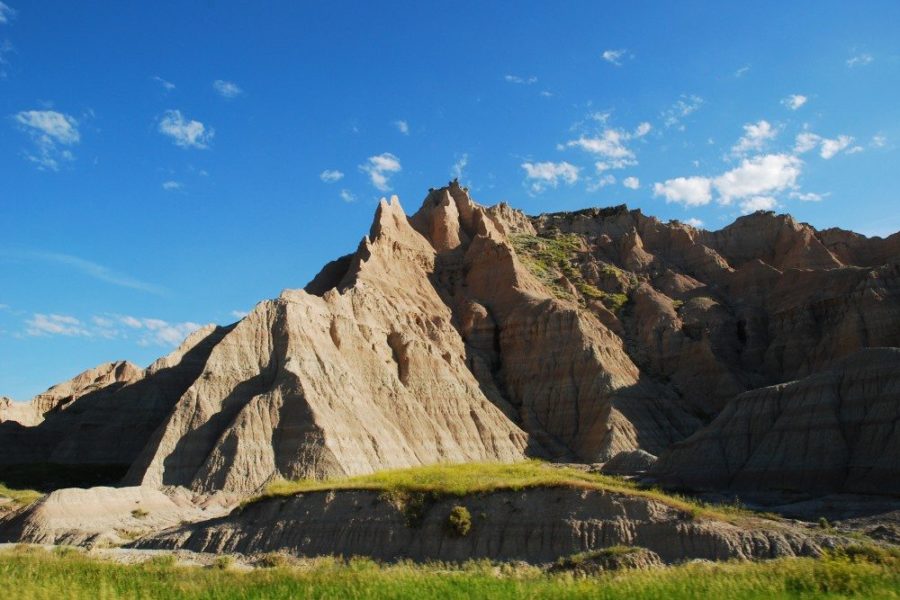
(835, 430)
(466, 333)
(537, 525)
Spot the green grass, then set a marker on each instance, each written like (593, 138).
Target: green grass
(40, 574)
(459, 480)
(19, 497)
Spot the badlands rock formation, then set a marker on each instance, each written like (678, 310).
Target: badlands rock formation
(465, 333)
(835, 430)
(537, 526)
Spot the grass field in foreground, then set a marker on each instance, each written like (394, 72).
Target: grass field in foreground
(37, 574)
(458, 480)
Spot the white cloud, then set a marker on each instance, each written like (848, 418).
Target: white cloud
(755, 137)
(49, 130)
(546, 93)
(610, 144)
(831, 147)
(742, 71)
(6, 12)
(172, 186)
(806, 141)
(52, 324)
(807, 196)
(158, 332)
(684, 106)
(879, 141)
(694, 221)
(185, 133)
(458, 168)
(859, 60)
(331, 175)
(227, 89)
(631, 183)
(602, 182)
(614, 56)
(642, 129)
(520, 80)
(758, 176)
(402, 126)
(167, 85)
(348, 196)
(794, 101)
(239, 314)
(755, 203)
(690, 191)
(548, 174)
(380, 168)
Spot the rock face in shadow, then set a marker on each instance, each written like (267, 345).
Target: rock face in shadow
(537, 526)
(832, 431)
(464, 333)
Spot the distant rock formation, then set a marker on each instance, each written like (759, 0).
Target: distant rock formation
(835, 430)
(467, 333)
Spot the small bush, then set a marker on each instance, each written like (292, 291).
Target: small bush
(273, 560)
(139, 513)
(224, 562)
(823, 523)
(161, 561)
(459, 521)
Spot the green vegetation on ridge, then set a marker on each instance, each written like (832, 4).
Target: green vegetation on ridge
(551, 257)
(458, 480)
(39, 574)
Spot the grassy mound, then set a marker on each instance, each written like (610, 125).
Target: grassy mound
(41, 574)
(459, 480)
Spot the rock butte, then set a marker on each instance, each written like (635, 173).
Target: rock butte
(764, 356)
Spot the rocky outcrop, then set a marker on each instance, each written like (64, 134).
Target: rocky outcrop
(833, 431)
(631, 463)
(537, 525)
(62, 395)
(100, 515)
(465, 333)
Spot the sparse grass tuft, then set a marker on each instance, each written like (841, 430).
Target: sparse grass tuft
(139, 513)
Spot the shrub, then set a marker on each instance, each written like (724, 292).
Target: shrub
(224, 562)
(459, 521)
(823, 523)
(273, 560)
(139, 513)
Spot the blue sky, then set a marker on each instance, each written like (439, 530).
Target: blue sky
(172, 163)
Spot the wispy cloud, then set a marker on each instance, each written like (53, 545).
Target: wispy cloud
(6, 12)
(185, 133)
(520, 80)
(742, 71)
(610, 145)
(542, 175)
(828, 147)
(86, 267)
(458, 169)
(683, 107)
(615, 56)
(331, 175)
(41, 324)
(227, 89)
(347, 196)
(402, 126)
(172, 186)
(239, 314)
(166, 85)
(380, 168)
(860, 60)
(51, 133)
